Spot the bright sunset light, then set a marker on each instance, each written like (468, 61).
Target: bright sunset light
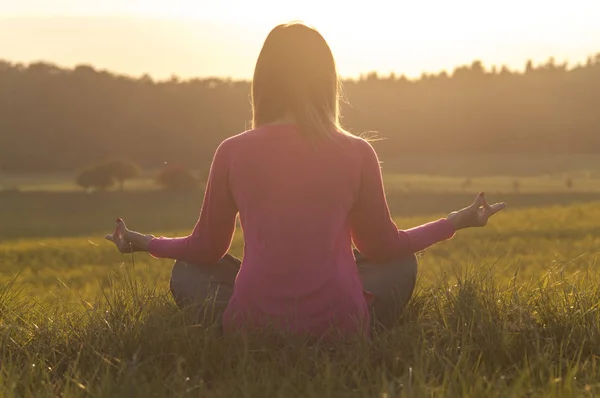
(405, 37)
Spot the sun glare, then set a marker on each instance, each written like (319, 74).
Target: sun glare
(408, 37)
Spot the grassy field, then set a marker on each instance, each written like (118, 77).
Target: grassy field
(506, 311)
(407, 180)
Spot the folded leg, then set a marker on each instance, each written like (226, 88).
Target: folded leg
(204, 286)
(392, 285)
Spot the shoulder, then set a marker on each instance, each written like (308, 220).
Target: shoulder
(240, 139)
(229, 145)
(361, 146)
(365, 154)
(238, 145)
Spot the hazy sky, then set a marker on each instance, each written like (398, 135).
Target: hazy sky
(223, 37)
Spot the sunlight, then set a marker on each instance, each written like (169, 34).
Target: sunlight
(408, 38)
(357, 36)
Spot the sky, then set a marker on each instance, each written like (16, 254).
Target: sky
(222, 38)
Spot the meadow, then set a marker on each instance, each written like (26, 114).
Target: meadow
(510, 310)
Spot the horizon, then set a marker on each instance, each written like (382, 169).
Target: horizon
(155, 79)
(191, 40)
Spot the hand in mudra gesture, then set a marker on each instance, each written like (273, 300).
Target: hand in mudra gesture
(128, 241)
(476, 215)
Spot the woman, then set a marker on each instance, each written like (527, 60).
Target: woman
(305, 190)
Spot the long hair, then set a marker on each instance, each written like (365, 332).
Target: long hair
(296, 74)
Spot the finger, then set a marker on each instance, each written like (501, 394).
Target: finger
(120, 229)
(496, 207)
(477, 202)
(121, 223)
(484, 202)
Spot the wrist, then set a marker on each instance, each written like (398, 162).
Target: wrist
(454, 219)
(140, 242)
(145, 242)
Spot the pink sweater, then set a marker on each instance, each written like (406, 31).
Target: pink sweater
(300, 208)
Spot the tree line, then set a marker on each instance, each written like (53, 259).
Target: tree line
(105, 175)
(53, 118)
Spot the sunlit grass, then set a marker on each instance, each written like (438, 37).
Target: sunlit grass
(509, 310)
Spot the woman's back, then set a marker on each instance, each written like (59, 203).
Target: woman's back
(294, 199)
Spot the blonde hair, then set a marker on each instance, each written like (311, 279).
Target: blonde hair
(296, 73)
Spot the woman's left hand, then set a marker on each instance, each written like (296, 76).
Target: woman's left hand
(476, 215)
(128, 241)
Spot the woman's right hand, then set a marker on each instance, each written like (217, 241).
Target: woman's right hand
(476, 215)
(128, 241)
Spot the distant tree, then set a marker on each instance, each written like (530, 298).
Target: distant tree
(372, 76)
(477, 67)
(529, 66)
(516, 186)
(122, 170)
(94, 177)
(505, 71)
(176, 178)
(556, 106)
(569, 183)
(85, 179)
(466, 183)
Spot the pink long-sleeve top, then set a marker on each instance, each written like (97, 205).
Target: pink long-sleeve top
(301, 206)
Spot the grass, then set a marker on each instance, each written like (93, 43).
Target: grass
(466, 339)
(437, 171)
(509, 310)
(44, 215)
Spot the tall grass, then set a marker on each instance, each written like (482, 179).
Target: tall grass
(468, 335)
(506, 311)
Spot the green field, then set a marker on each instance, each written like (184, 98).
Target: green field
(510, 310)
